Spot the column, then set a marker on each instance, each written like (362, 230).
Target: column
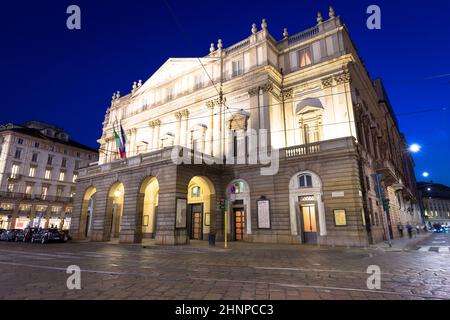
(178, 116)
(157, 144)
(151, 138)
(211, 129)
(188, 133)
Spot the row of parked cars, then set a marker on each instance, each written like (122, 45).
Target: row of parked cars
(35, 235)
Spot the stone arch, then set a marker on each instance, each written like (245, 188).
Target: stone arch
(86, 215)
(295, 194)
(114, 210)
(245, 197)
(201, 223)
(147, 204)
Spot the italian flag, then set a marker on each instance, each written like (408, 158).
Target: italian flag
(120, 146)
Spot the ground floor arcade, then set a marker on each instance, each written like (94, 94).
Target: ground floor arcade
(316, 199)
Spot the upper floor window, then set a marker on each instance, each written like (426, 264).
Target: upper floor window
(29, 189)
(48, 174)
(37, 144)
(62, 175)
(63, 162)
(50, 160)
(304, 57)
(77, 164)
(237, 68)
(32, 172)
(78, 154)
(18, 154)
(75, 176)
(34, 157)
(20, 141)
(195, 192)
(15, 170)
(305, 181)
(10, 187)
(300, 58)
(198, 81)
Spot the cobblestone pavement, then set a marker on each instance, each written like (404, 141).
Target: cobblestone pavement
(244, 271)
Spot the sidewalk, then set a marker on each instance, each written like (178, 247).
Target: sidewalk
(402, 244)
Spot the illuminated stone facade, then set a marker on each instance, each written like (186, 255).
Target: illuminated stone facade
(310, 91)
(38, 167)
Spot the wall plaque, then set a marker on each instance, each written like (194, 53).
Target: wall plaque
(181, 213)
(264, 214)
(340, 218)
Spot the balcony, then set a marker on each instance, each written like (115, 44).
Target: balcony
(14, 177)
(346, 144)
(387, 169)
(25, 196)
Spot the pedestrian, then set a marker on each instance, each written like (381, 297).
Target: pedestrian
(410, 229)
(400, 229)
(418, 229)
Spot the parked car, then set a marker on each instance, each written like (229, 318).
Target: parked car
(2, 230)
(49, 235)
(9, 235)
(25, 234)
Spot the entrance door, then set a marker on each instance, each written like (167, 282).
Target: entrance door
(196, 222)
(309, 223)
(239, 224)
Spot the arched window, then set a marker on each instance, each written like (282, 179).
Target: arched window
(238, 187)
(305, 181)
(195, 192)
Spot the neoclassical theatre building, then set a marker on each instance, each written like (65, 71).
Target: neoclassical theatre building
(330, 125)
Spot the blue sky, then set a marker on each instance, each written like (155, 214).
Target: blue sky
(67, 77)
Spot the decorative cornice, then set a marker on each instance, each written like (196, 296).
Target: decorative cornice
(210, 104)
(327, 82)
(343, 78)
(287, 93)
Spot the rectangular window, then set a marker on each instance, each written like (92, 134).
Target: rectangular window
(75, 176)
(78, 154)
(18, 154)
(36, 144)
(44, 192)
(32, 172)
(34, 157)
(20, 141)
(50, 160)
(59, 191)
(10, 187)
(63, 162)
(15, 171)
(62, 174)
(48, 174)
(77, 164)
(304, 57)
(237, 68)
(29, 190)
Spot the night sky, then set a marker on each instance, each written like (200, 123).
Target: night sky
(67, 78)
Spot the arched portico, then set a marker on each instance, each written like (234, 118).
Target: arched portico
(201, 202)
(148, 198)
(87, 209)
(114, 209)
(307, 211)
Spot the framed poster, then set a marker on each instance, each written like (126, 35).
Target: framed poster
(181, 213)
(264, 214)
(145, 221)
(340, 218)
(207, 218)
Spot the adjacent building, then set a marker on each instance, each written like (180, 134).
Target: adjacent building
(436, 202)
(280, 139)
(39, 165)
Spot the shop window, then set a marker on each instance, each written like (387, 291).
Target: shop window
(195, 192)
(305, 181)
